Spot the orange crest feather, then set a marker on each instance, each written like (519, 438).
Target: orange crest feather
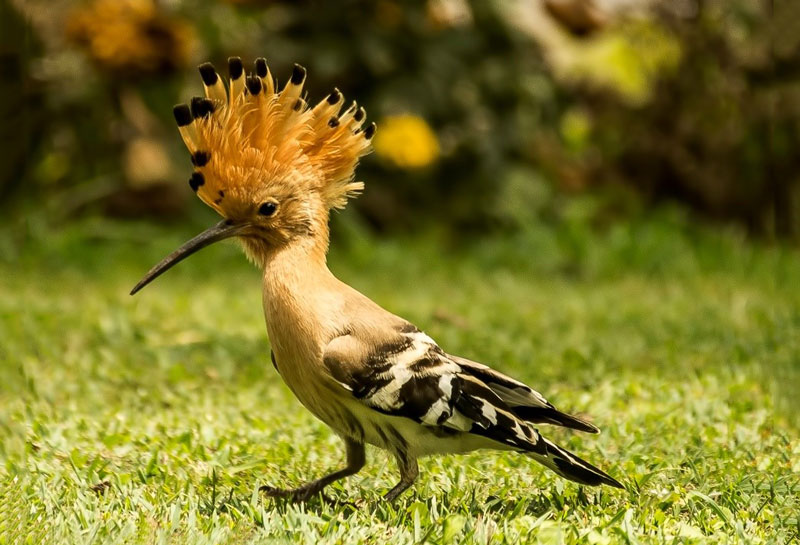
(251, 135)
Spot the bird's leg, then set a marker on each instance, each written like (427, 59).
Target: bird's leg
(356, 458)
(409, 470)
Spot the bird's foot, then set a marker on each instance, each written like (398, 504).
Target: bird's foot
(301, 494)
(392, 495)
(399, 488)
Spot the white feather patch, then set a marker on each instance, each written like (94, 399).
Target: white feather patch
(446, 385)
(440, 407)
(518, 431)
(488, 410)
(459, 422)
(421, 337)
(400, 372)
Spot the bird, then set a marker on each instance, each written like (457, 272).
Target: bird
(274, 167)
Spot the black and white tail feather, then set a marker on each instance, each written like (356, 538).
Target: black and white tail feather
(454, 397)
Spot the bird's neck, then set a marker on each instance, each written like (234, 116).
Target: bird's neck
(298, 263)
(299, 293)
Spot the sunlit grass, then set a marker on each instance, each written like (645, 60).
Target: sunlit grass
(156, 418)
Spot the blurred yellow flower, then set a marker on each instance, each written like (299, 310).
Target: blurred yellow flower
(407, 141)
(130, 36)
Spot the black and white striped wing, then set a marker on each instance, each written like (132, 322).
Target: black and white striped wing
(413, 378)
(525, 402)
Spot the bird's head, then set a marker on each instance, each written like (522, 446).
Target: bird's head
(268, 163)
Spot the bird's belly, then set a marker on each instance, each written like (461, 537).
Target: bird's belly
(313, 396)
(397, 433)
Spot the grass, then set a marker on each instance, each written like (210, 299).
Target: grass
(155, 419)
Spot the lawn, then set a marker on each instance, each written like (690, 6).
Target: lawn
(155, 418)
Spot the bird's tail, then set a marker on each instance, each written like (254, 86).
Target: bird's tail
(570, 466)
(551, 415)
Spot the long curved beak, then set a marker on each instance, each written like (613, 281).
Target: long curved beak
(222, 230)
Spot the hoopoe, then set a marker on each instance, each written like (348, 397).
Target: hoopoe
(273, 168)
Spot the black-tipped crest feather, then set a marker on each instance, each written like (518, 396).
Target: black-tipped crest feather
(208, 73)
(255, 126)
(235, 67)
(260, 66)
(196, 181)
(253, 85)
(334, 97)
(183, 114)
(298, 75)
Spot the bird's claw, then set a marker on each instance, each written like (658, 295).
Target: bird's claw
(273, 492)
(297, 495)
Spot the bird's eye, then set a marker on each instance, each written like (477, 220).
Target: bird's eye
(267, 209)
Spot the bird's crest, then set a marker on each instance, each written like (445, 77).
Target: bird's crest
(248, 134)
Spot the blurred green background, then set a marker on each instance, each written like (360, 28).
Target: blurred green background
(601, 198)
(490, 113)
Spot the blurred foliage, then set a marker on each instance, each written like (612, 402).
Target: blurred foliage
(23, 120)
(628, 61)
(130, 38)
(723, 134)
(488, 112)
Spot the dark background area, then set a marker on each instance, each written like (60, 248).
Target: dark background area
(491, 115)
